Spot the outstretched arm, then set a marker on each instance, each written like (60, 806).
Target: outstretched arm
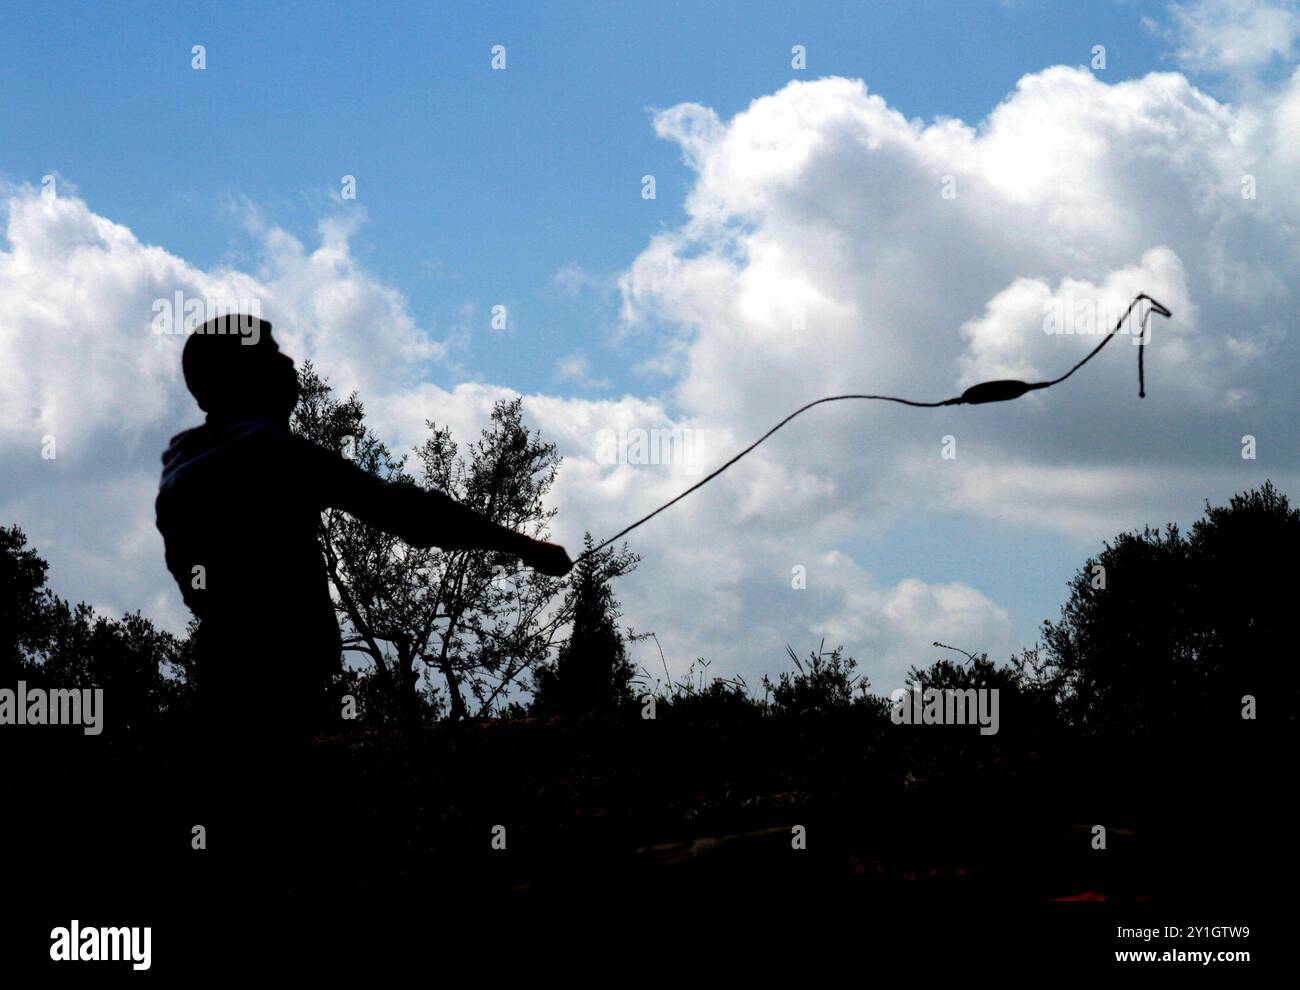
(421, 518)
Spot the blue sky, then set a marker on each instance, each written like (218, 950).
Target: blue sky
(477, 187)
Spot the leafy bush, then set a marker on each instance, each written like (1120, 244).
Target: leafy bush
(827, 684)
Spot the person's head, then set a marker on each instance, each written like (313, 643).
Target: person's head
(233, 365)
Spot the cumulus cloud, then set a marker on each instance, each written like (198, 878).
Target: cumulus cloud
(894, 626)
(821, 255)
(820, 207)
(84, 375)
(1237, 37)
(576, 368)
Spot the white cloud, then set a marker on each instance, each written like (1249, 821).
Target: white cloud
(576, 369)
(573, 280)
(893, 627)
(822, 201)
(821, 207)
(79, 362)
(1237, 37)
(1022, 326)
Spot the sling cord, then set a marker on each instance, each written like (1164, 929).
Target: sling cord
(1002, 390)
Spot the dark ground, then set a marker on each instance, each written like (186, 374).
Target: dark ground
(947, 839)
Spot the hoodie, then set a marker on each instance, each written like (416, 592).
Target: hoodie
(239, 508)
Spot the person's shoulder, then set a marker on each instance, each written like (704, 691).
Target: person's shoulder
(317, 461)
(222, 442)
(181, 451)
(181, 440)
(245, 433)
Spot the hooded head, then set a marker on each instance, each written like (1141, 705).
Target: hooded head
(232, 364)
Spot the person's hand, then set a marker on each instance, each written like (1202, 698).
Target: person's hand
(548, 558)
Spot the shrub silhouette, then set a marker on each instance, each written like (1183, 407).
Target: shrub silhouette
(827, 684)
(1184, 627)
(1128, 713)
(591, 674)
(51, 643)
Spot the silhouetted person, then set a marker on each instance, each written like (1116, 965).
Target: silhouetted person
(238, 509)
